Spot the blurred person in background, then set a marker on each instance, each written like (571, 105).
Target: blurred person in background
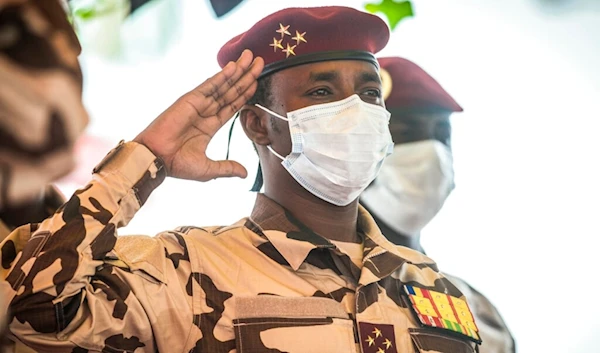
(308, 271)
(416, 179)
(41, 112)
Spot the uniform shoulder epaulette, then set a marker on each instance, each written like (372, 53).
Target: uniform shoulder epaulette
(442, 311)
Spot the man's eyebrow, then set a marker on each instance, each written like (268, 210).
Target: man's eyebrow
(328, 76)
(368, 77)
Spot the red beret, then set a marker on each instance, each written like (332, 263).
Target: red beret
(297, 36)
(408, 86)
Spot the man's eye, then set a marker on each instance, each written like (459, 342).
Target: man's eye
(373, 93)
(320, 92)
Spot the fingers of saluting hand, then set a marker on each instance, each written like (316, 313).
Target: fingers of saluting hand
(239, 93)
(225, 93)
(225, 169)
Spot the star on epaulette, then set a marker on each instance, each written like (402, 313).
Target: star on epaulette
(283, 30)
(376, 338)
(299, 37)
(276, 44)
(289, 50)
(387, 343)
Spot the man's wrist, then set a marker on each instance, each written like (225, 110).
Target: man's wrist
(141, 169)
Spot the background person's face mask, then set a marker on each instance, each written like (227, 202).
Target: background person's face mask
(412, 186)
(337, 148)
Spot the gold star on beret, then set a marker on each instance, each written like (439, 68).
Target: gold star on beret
(276, 44)
(289, 50)
(283, 30)
(299, 37)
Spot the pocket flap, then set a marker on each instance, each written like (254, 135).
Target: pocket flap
(272, 306)
(268, 323)
(429, 341)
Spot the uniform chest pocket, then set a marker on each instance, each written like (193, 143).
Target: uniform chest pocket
(430, 341)
(268, 323)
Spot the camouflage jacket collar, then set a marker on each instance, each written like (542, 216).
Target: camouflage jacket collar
(294, 240)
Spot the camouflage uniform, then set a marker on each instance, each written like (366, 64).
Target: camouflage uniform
(52, 200)
(41, 113)
(264, 284)
(492, 328)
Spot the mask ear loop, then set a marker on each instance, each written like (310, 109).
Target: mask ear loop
(272, 112)
(275, 153)
(277, 116)
(258, 181)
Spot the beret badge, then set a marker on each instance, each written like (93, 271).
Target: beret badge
(289, 45)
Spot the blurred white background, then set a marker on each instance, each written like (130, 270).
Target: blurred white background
(522, 223)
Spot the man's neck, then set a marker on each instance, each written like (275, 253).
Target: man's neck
(413, 242)
(328, 220)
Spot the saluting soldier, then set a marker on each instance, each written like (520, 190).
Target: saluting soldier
(307, 271)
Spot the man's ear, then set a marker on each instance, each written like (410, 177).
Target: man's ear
(255, 123)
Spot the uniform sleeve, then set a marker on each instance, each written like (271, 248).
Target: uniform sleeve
(495, 334)
(60, 285)
(494, 331)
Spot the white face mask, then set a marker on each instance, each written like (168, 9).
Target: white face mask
(337, 148)
(412, 186)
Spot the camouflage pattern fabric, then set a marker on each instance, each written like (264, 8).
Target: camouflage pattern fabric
(41, 113)
(494, 332)
(264, 284)
(53, 199)
(492, 328)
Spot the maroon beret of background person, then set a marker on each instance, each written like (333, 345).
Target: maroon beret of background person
(408, 86)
